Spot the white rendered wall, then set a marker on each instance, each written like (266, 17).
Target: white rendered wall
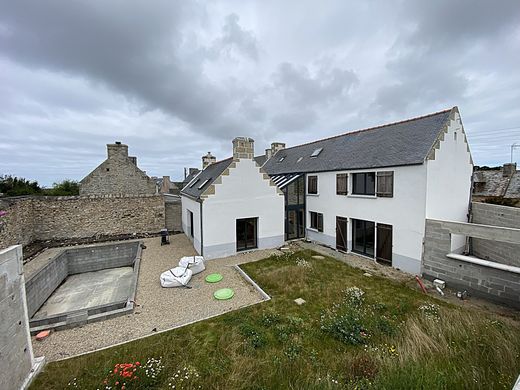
(405, 212)
(244, 193)
(449, 180)
(194, 207)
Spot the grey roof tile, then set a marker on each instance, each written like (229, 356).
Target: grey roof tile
(402, 143)
(210, 173)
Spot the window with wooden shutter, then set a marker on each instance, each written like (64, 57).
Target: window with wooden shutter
(316, 221)
(385, 184)
(312, 185)
(341, 184)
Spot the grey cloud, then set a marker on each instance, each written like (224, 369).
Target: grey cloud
(235, 38)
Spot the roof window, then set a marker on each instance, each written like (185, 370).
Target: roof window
(316, 152)
(194, 182)
(299, 159)
(281, 159)
(204, 183)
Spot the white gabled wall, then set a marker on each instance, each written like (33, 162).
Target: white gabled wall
(449, 179)
(405, 211)
(243, 193)
(194, 207)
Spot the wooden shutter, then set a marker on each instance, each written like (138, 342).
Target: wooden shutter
(341, 184)
(385, 184)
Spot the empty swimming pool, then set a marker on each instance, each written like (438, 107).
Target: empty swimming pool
(82, 285)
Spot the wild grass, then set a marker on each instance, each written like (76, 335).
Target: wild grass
(387, 337)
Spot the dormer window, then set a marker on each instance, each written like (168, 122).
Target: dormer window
(316, 152)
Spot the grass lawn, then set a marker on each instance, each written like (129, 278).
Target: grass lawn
(354, 332)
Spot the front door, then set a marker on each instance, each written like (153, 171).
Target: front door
(341, 233)
(384, 243)
(246, 233)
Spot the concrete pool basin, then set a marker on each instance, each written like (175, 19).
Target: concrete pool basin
(82, 285)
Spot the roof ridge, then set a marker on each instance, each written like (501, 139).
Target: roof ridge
(370, 128)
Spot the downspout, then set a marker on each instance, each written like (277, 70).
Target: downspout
(201, 232)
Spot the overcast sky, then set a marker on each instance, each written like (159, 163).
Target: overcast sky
(174, 80)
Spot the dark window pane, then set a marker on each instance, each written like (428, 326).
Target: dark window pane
(313, 184)
(370, 184)
(369, 238)
(359, 239)
(359, 183)
(292, 194)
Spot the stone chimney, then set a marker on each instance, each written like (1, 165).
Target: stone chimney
(509, 169)
(166, 183)
(117, 151)
(276, 146)
(133, 160)
(243, 147)
(208, 159)
(193, 170)
(268, 153)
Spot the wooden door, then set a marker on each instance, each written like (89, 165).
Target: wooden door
(384, 243)
(341, 233)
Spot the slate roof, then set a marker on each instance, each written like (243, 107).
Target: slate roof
(260, 160)
(513, 190)
(396, 144)
(189, 178)
(210, 173)
(493, 183)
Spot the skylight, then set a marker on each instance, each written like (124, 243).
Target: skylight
(281, 159)
(194, 182)
(316, 152)
(204, 183)
(299, 159)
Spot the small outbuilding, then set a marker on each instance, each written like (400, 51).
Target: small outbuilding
(232, 205)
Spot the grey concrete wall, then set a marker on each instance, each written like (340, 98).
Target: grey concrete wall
(496, 285)
(16, 355)
(42, 284)
(95, 258)
(45, 218)
(173, 213)
(495, 215)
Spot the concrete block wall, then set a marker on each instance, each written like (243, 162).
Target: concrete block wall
(44, 218)
(495, 215)
(95, 258)
(496, 285)
(42, 284)
(17, 363)
(173, 214)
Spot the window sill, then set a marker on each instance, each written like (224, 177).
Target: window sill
(314, 230)
(362, 196)
(313, 194)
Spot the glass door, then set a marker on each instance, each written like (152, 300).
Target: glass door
(246, 233)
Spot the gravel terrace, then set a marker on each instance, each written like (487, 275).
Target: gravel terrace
(157, 307)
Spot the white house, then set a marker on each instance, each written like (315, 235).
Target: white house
(231, 205)
(370, 191)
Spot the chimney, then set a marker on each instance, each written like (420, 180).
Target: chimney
(193, 170)
(117, 150)
(166, 183)
(208, 159)
(133, 160)
(509, 169)
(268, 153)
(276, 146)
(243, 147)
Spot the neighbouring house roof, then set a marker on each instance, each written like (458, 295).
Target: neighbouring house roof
(493, 183)
(402, 143)
(205, 178)
(260, 160)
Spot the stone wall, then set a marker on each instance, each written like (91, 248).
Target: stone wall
(494, 215)
(17, 362)
(502, 286)
(118, 175)
(30, 219)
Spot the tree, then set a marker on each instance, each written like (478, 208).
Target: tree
(15, 186)
(65, 188)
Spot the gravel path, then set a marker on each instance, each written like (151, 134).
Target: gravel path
(160, 308)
